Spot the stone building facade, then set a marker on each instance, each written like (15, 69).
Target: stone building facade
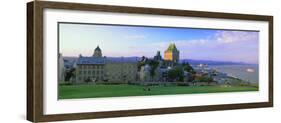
(60, 68)
(172, 53)
(102, 69)
(120, 70)
(90, 69)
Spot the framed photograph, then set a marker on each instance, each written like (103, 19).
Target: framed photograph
(96, 61)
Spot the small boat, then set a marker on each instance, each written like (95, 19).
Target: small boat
(250, 70)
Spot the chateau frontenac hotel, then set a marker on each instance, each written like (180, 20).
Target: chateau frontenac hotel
(99, 68)
(172, 53)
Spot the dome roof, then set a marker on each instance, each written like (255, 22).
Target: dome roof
(98, 49)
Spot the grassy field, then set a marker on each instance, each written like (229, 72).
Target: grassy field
(93, 91)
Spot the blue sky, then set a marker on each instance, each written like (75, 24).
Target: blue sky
(116, 41)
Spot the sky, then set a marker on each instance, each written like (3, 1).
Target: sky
(127, 41)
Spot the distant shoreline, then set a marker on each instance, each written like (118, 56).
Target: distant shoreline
(190, 61)
(240, 71)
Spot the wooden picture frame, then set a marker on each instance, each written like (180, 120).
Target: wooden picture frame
(35, 62)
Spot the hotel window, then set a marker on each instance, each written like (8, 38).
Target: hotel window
(85, 72)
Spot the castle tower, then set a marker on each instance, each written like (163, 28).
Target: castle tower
(172, 53)
(158, 57)
(97, 52)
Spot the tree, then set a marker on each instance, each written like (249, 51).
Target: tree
(69, 74)
(88, 80)
(204, 79)
(153, 64)
(176, 74)
(142, 62)
(190, 77)
(188, 68)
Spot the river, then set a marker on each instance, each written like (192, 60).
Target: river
(245, 72)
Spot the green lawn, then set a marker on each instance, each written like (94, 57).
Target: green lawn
(92, 91)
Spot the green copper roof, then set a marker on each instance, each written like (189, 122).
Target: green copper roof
(172, 47)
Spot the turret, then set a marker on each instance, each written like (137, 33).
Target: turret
(97, 52)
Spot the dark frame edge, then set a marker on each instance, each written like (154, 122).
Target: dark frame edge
(30, 44)
(271, 67)
(152, 11)
(159, 111)
(34, 61)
